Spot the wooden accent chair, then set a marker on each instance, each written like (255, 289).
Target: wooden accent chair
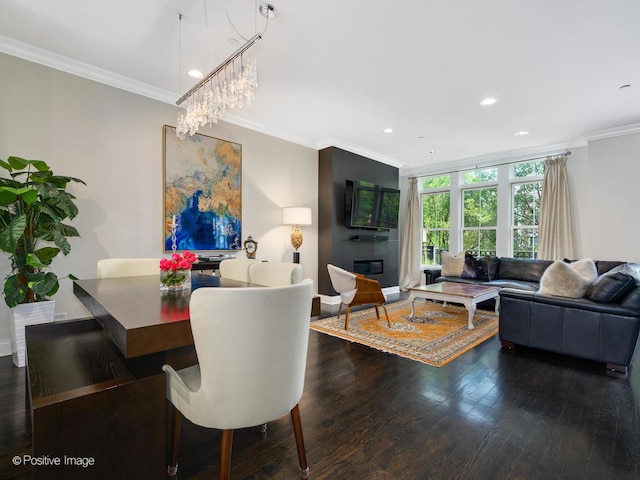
(356, 289)
(235, 332)
(128, 267)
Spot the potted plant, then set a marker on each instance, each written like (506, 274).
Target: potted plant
(34, 203)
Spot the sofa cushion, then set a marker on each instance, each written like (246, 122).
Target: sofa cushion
(521, 269)
(604, 266)
(632, 299)
(611, 287)
(452, 265)
(474, 268)
(517, 284)
(568, 279)
(492, 266)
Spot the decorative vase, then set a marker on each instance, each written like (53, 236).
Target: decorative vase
(174, 280)
(21, 316)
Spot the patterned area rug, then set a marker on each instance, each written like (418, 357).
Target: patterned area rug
(437, 334)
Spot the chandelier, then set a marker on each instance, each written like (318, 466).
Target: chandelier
(228, 86)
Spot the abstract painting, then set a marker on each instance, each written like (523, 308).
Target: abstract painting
(202, 193)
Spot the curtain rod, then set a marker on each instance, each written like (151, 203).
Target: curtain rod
(567, 153)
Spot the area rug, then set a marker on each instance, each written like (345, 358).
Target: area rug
(437, 334)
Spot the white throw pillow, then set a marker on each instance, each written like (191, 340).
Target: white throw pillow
(587, 268)
(452, 265)
(568, 279)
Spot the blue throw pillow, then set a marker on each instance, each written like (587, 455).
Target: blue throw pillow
(611, 287)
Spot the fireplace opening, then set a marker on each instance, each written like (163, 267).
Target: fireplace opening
(368, 267)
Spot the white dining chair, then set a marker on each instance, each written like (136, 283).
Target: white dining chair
(251, 345)
(236, 268)
(275, 274)
(128, 267)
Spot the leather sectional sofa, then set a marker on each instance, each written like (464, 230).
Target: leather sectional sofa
(602, 326)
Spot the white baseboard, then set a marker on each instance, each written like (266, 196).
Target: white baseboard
(335, 300)
(5, 347)
(391, 290)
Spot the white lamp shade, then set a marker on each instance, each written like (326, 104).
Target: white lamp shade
(298, 216)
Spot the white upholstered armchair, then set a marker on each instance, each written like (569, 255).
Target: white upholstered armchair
(275, 274)
(128, 267)
(236, 268)
(252, 349)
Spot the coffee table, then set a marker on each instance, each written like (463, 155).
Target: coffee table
(467, 294)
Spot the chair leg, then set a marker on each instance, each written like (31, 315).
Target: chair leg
(377, 312)
(225, 454)
(346, 318)
(384, 307)
(174, 430)
(297, 430)
(339, 310)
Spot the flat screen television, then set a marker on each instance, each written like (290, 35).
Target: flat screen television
(371, 206)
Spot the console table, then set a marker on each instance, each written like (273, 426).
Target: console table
(91, 405)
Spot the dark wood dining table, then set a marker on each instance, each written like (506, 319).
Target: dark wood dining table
(139, 318)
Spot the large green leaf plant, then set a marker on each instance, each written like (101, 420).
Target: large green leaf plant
(33, 204)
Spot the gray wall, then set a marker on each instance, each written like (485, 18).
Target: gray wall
(112, 139)
(336, 243)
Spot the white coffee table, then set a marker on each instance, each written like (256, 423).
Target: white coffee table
(467, 294)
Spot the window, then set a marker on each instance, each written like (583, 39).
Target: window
(480, 220)
(486, 211)
(435, 218)
(525, 207)
(479, 176)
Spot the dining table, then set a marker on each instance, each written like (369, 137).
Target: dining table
(138, 316)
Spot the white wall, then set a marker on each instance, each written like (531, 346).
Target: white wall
(112, 140)
(604, 179)
(603, 182)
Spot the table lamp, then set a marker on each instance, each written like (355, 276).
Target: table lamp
(296, 217)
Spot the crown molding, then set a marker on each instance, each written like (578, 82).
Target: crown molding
(510, 156)
(335, 142)
(272, 132)
(81, 69)
(612, 132)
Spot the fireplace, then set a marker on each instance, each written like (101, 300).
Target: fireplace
(368, 267)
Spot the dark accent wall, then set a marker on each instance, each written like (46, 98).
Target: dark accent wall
(335, 240)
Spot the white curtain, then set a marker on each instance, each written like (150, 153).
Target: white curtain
(410, 257)
(555, 230)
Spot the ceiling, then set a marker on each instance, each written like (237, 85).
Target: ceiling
(339, 72)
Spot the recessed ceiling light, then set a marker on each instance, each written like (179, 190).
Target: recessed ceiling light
(388, 130)
(521, 133)
(195, 74)
(488, 101)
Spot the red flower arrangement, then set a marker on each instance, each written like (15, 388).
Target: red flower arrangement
(174, 271)
(178, 262)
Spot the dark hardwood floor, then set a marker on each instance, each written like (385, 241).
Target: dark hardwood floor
(490, 414)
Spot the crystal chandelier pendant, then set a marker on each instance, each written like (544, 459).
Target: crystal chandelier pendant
(229, 86)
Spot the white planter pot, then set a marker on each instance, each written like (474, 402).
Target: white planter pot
(21, 316)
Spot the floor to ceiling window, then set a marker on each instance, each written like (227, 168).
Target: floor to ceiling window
(436, 207)
(480, 212)
(526, 191)
(462, 211)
